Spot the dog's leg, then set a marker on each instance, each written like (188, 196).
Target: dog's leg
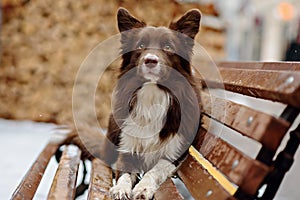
(122, 190)
(126, 176)
(151, 181)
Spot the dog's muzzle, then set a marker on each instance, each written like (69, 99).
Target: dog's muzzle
(151, 67)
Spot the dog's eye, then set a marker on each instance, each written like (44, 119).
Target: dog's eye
(167, 47)
(141, 46)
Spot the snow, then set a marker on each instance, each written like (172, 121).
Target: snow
(21, 142)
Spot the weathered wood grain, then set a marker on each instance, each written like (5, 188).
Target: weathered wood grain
(32, 179)
(200, 183)
(280, 85)
(264, 128)
(64, 183)
(168, 191)
(286, 66)
(239, 168)
(100, 181)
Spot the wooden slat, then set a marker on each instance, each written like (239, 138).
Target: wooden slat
(287, 66)
(224, 182)
(239, 168)
(281, 86)
(32, 179)
(200, 183)
(100, 181)
(257, 125)
(64, 183)
(168, 190)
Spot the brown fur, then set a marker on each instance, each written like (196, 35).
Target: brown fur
(179, 59)
(129, 83)
(174, 47)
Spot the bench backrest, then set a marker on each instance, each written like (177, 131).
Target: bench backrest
(233, 173)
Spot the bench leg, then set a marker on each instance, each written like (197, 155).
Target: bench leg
(289, 114)
(282, 164)
(80, 189)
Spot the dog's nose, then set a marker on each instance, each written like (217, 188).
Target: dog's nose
(150, 60)
(151, 63)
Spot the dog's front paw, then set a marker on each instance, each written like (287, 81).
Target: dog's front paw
(143, 191)
(120, 192)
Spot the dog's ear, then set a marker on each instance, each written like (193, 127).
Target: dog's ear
(126, 21)
(188, 24)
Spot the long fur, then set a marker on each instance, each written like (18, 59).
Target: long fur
(156, 107)
(155, 115)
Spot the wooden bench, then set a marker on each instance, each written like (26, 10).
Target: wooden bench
(214, 169)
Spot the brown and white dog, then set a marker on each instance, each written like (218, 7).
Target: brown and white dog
(156, 112)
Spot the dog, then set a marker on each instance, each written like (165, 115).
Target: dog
(156, 107)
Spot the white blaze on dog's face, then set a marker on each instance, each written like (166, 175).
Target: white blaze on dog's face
(155, 53)
(150, 67)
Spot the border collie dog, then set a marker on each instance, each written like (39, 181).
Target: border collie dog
(156, 104)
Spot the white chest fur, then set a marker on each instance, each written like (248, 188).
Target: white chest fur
(140, 131)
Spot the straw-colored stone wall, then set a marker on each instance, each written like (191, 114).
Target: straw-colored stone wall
(45, 41)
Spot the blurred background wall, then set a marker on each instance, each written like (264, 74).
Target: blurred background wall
(259, 30)
(44, 43)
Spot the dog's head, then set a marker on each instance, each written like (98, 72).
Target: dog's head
(154, 51)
